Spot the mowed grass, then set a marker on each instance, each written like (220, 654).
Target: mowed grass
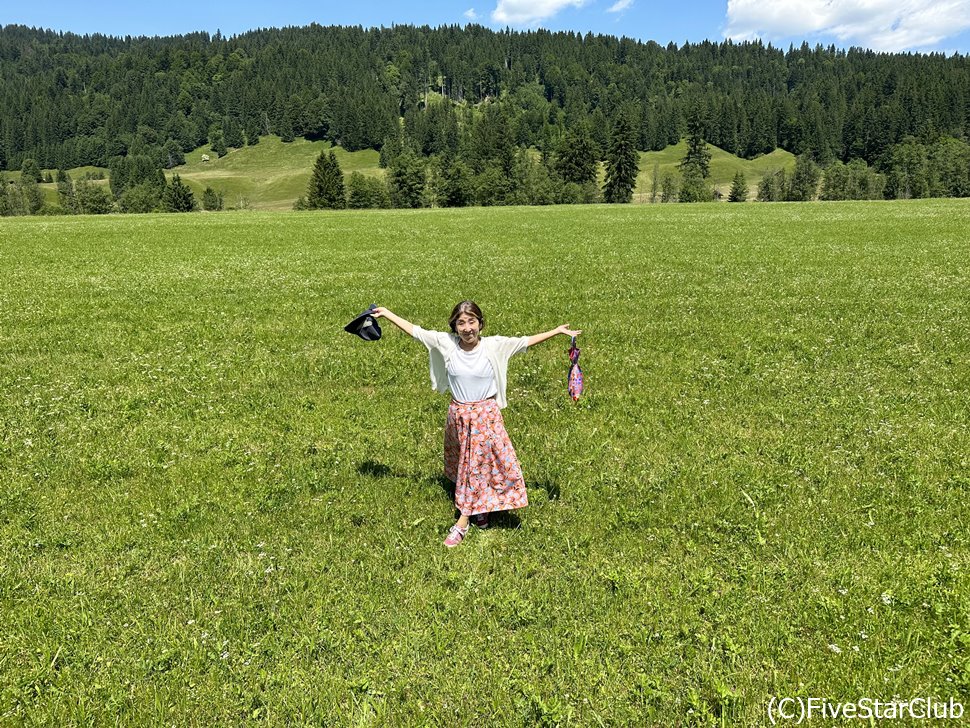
(220, 509)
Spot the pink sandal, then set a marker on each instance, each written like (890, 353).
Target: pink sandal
(455, 535)
(480, 520)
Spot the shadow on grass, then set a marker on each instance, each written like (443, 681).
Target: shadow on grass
(501, 519)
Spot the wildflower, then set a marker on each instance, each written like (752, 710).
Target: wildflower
(887, 598)
(836, 649)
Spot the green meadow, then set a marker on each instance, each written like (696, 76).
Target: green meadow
(220, 509)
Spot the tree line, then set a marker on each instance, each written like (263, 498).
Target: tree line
(474, 116)
(69, 100)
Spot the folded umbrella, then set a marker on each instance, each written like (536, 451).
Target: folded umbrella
(575, 378)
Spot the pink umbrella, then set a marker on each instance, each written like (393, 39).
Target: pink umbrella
(575, 379)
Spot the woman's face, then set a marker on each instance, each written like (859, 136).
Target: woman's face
(468, 328)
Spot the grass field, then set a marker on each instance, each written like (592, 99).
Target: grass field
(219, 509)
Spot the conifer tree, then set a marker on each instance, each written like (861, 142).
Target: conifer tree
(694, 187)
(622, 162)
(739, 188)
(697, 151)
(217, 142)
(211, 200)
(65, 192)
(326, 187)
(178, 197)
(576, 157)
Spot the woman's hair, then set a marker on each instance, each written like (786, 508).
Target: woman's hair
(466, 307)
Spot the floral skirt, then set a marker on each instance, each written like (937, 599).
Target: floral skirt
(480, 460)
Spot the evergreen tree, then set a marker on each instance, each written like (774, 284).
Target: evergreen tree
(694, 187)
(406, 178)
(6, 204)
(252, 130)
(835, 182)
(172, 155)
(92, 199)
(458, 190)
(217, 142)
(65, 192)
(212, 201)
(30, 194)
(144, 197)
(698, 155)
(364, 191)
(622, 162)
(576, 158)
(177, 197)
(233, 133)
(804, 180)
(326, 187)
(739, 188)
(31, 172)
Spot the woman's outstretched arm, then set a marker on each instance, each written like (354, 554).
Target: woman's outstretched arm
(564, 329)
(406, 326)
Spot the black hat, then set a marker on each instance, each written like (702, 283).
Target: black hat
(365, 325)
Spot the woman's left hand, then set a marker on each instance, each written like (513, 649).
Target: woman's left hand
(564, 329)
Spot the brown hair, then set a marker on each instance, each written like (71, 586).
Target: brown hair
(466, 307)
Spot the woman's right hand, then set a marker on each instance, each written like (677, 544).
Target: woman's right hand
(379, 312)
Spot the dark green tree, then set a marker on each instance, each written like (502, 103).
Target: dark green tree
(65, 192)
(326, 187)
(804, 180)
(177, 197)
(30, 194)
(212, 201)
(694, 187)
(217, 142)
(739, 188)
(233, 133)
(576, 157)
(365, 191)
(698, 155)
(406, 180)
(144, 197)
(93, 199)
(622, 161)
(458, 189)
(30, 171)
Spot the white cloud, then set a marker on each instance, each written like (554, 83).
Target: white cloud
(620, 5)
(884, 25)
(471, 14)
(527, 12)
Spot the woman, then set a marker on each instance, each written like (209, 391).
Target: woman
(479, 458)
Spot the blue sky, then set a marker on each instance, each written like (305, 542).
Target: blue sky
(889, 25)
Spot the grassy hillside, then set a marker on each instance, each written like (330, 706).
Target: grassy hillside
(220, 509)
(269, 175)
(272, 174)
(724, 166)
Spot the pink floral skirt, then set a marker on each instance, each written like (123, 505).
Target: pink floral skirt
(480, 459)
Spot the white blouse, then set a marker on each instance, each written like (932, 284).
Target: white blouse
(470, 376)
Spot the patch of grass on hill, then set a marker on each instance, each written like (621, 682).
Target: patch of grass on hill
(724, 166)
(269, 175)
